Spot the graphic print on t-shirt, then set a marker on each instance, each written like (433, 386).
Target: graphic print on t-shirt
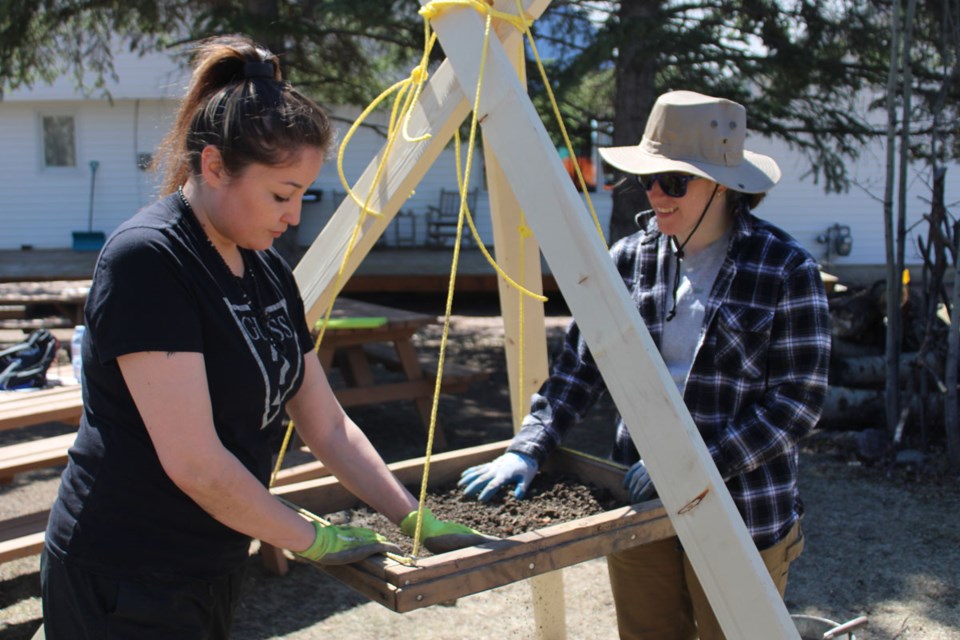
(276, 364)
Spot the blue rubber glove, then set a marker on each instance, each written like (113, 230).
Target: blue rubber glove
(343, 545)
(486, 479)
(440, 536)
(638, 484)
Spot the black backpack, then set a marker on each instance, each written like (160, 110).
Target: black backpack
(24, 365)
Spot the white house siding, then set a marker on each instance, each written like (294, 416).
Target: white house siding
(42, 206)
(362, 148)
(442, 175)
(803, 209)
(45, 205)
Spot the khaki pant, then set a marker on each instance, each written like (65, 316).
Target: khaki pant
(658, 596)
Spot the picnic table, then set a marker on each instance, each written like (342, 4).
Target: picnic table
(362, 334)
(57, 303)
(37, 406)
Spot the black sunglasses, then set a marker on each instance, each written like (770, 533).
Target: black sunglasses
(673, 184)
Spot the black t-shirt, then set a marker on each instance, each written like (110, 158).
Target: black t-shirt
(159, 285)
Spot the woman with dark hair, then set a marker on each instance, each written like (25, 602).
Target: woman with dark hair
(196, 345)
(739, 314)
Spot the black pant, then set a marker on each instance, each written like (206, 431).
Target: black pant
(80, 605)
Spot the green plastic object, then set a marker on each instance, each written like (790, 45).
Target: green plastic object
(353, 323)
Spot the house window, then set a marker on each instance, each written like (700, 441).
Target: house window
(59, 141)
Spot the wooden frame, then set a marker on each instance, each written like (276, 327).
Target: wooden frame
(460, 573)
(701, 510)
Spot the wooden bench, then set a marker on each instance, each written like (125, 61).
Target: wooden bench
(35, 454)
(22, 536)
(457, 378)
(32, 324)
(25, 408)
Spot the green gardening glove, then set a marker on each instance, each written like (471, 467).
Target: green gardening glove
(343, 545)
(440, 536)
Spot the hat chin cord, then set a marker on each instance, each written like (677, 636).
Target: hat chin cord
(678, 252)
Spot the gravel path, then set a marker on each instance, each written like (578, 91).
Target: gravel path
(882, 545)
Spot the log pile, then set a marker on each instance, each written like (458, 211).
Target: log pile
(855, 399)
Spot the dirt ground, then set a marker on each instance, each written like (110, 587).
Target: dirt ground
(883, 543)
(550, 499)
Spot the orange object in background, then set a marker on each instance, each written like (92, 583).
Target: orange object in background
(587, 168)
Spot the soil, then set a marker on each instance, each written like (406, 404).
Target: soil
(881, 541)
(550, 499)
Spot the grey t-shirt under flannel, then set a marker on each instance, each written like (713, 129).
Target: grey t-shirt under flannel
(681, 335)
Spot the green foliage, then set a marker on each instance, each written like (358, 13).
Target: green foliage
(341, 51)
(44, 39)
(803, 67)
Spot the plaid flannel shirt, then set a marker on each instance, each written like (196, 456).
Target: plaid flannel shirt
(758, 378)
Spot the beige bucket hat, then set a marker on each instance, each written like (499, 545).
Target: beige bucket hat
(700, 135)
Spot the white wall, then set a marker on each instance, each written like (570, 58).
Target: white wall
(152, 75)
(41, 206)
(803, 209)
(44, 205)
(363, 147)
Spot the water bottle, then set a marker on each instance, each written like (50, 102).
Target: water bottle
(76, 346)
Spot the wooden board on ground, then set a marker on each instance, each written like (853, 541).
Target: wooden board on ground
(34, 454)
(464, 572)
(25, 408)
(22, 536)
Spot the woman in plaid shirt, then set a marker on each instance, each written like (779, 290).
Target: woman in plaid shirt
(739, 313)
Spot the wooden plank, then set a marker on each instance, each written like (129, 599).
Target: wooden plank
(367, 585)
(31, 324)
(454, 374)
(24, 408)
(525, 342)
(704, 515)
(301, 473)
(390, 392)
(22, 536)
(465, 571)
(325, 495)
(354, 366)
(591, 543)
(35, 454)
(439, 112)
(465, 282)
(441, 108)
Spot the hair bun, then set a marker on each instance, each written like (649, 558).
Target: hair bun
(259, 69)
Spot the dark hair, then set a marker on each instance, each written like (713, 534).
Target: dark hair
(738, 199)
(238, 102)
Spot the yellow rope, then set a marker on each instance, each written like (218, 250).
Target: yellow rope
(524, 232)
(563, 128)
(418, 76)
(402, 114)
(462, 182)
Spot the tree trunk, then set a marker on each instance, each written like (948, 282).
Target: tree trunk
(635, 93)
(951, 417)
(871, 372)
(845, 408)
(892, 400)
